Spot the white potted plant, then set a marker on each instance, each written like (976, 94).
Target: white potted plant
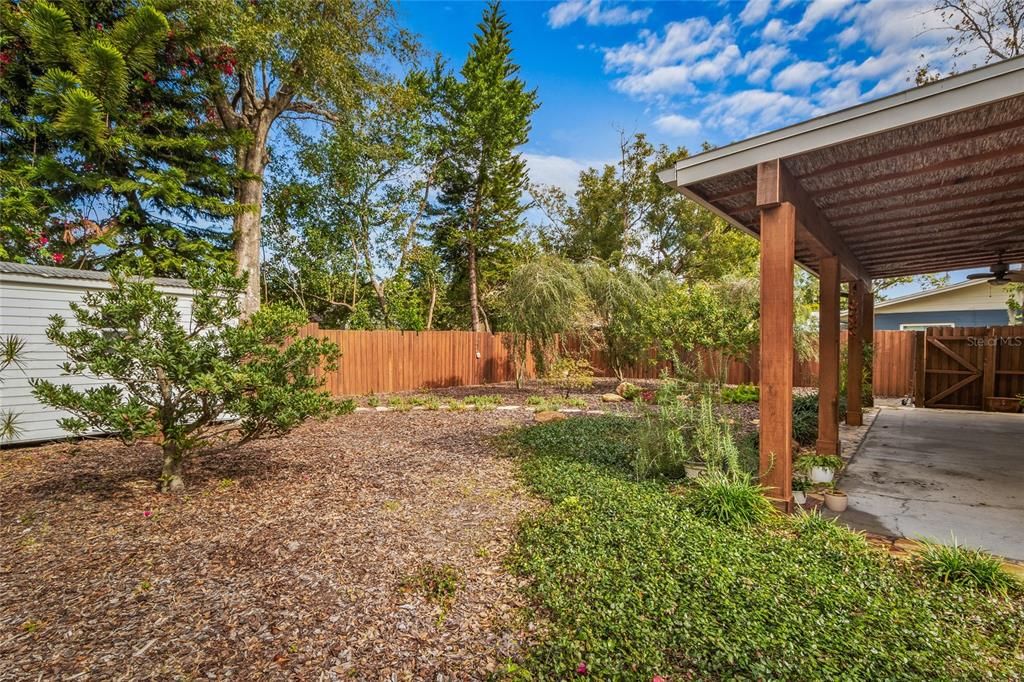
(820, 468)
(835, 499)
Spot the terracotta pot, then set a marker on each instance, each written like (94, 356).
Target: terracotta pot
(836, 501)
(1003, 404)
(821, 475)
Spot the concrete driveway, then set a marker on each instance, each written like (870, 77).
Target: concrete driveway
(925, 473)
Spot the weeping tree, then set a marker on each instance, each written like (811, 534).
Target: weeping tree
(195, 387)
(544, 297)
(617, 296)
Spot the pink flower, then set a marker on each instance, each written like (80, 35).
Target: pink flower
(658, 678)
(43, 240)
(58, 257)
(581, 669)
(147, 513)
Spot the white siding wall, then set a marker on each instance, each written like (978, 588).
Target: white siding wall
(26, 304)
(981, 296)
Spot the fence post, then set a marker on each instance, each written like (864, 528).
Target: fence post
(988, 368)
(920, 352)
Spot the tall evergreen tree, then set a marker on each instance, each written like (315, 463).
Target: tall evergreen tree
(104, 158)
(484, 177)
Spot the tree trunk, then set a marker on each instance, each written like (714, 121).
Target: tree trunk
(430, 310)
(170, 477)
(474, 302)
(247, 224)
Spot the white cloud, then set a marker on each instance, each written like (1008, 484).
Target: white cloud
(754, 111)
(674, 124)
(817, 11)
(560, 171)
(594, 13)
(760, 62)
(775, 30)
(755, 11)
(800, 76)
(683, 42)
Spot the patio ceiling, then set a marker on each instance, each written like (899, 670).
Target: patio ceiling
(927, 180)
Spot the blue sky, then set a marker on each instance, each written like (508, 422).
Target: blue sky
(686, 72)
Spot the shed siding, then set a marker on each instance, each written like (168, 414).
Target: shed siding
(961, 318)
(26, 303)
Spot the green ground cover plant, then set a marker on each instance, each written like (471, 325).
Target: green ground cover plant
(630, 583)
(740, 395)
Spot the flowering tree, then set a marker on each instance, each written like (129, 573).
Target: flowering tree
(104, 157)
(196, 388)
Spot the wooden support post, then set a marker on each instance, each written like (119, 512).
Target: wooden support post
(778, 243)
(828, 357)
(920, 352)
(854, 353)
(867, 319)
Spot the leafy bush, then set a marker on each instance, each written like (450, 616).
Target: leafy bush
(805, 418)
(629, 581)
(712, 439)
(551, 403)
(569, 374)
(959, 565)
(178, 382)
(806, 462)
(629, 391)
(731, 499)
(740, 395)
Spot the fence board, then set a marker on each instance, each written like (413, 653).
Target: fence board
(390, 361)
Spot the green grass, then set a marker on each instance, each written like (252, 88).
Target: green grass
(625, 578)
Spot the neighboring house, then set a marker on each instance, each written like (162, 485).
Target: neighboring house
(974, 303)
(29, 295)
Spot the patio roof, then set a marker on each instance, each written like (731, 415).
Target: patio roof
(926, 180)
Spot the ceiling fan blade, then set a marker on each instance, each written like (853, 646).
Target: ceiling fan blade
(980, 275)
(1015, 276)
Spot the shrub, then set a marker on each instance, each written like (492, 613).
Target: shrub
(570, 374)
(481, 402)
(178, 382)
(629, 391)
(740, 395)
(731, 499)
(712, 439)
(959, 565)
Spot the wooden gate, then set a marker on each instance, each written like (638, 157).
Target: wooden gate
(961, 367)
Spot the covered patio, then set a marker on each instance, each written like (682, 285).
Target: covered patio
(927, 180)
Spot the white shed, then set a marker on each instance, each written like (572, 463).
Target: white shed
(29, 295)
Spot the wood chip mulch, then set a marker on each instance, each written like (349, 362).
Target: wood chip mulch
(287, 559)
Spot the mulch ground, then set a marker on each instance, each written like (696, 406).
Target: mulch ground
(285, 559)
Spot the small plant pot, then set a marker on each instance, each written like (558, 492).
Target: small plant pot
(695, 470)
(1009, 405)
(836, 501)
(821, 475)
(800, 497)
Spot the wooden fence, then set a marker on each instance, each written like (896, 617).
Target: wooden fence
(391, 361)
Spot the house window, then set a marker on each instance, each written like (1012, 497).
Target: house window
(922, 327)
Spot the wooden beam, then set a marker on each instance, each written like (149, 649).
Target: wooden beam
(984, 131)
(775, 186)
(961, 164)
(854, 353)
(828, 357)
(778, 241)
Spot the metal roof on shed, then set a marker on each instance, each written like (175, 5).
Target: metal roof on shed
(51, 272)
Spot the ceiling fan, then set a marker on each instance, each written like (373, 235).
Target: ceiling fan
(999, 273)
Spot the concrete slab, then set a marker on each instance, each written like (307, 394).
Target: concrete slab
(941, 473)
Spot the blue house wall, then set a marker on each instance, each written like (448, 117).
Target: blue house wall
(961, 318)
